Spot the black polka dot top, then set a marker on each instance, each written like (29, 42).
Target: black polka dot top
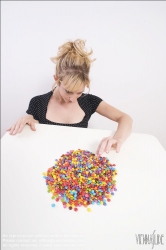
(38, 108)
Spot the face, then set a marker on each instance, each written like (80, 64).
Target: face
(70, 97)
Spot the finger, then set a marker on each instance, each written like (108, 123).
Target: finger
(22, 125)
(118, 147)
(16, 128)
(32, 125)
(102, 147)
(12, 129)
(97, 151)
(8, 129)
(109, 145)
(24, 121)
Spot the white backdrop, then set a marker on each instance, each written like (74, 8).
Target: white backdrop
(128, 40)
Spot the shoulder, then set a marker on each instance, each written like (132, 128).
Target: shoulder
(41, 98)
(90, 98)
(89, 102)
(94, 98)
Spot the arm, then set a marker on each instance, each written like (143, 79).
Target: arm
(123, 131)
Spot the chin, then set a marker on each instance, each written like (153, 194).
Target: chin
(66, 100)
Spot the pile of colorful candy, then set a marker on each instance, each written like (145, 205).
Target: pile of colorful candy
(79, 178)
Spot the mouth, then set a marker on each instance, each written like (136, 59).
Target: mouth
(68, 101)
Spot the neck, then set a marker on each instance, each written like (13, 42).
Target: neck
(58, 98)
(56, 95)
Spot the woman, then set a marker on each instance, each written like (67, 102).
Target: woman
(67, 105)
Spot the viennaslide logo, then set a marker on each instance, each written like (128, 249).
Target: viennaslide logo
(150, 239)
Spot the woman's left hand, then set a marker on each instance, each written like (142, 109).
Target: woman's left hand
(106, 144)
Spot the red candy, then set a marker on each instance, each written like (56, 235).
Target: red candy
(79, 178)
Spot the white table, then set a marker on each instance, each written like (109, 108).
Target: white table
(29, 221)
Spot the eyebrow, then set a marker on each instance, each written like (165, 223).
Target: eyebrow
(72, 92)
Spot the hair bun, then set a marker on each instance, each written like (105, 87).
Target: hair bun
(79, 46)
(73, 50)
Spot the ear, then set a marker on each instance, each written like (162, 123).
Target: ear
(55, 77)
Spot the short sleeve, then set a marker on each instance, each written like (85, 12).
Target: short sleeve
(32, 109)
(95, 101)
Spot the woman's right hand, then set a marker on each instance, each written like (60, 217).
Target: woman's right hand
(19, 125)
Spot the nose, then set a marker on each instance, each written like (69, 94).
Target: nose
(73, 98)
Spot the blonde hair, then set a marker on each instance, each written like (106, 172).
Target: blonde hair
(73, 65)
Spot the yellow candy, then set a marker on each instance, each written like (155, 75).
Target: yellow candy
(88, 209)
(80, 180)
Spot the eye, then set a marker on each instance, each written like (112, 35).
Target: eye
(68, 92)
